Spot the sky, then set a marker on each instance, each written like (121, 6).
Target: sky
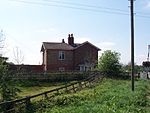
(104, 23)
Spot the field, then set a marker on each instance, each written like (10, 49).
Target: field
(32, 87)
(109, 96)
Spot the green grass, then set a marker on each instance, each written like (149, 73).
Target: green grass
(109, 96)
(32, 87)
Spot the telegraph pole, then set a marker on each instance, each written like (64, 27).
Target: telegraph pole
(132, 42)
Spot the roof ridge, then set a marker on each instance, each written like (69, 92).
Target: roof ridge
(53, 42)
(89, 43)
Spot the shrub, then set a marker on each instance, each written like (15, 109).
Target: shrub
(109, 63)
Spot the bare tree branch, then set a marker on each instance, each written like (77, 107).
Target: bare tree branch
(18, 55)
(2, 39)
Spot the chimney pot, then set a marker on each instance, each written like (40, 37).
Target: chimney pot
(71, 40)
(63, 41)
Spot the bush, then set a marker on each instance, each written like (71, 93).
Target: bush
(8, 91)
(109, 63)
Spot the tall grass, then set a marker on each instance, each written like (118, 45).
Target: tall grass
(31, 87)
(109, 96)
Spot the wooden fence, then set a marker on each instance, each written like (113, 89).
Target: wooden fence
(24, 104)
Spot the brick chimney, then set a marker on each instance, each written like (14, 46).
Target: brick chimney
(70, 39)
(63, 41)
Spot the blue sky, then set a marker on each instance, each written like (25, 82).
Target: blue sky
(28, 23)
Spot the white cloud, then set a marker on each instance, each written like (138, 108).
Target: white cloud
(106, 45)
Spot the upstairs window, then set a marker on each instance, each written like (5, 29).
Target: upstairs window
(61, 55)
(61, 69)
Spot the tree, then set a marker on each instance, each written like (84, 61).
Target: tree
(137, 68)
(109, 63)
(18, 56)
(8, 91)
(2, 38)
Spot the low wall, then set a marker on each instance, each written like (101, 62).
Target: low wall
(26, 68)
(55, 76)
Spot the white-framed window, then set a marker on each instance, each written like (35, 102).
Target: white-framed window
(61, 69)
(82, 68)
(61, 55)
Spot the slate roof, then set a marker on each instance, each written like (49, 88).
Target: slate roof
(64, 46)
(54, 46)
(89, 44)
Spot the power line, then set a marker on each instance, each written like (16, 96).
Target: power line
(93, 6)
(84, 7)
(143, 16)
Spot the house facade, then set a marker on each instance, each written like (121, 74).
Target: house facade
(69, 56)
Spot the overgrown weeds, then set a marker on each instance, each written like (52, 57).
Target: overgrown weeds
(109, 96)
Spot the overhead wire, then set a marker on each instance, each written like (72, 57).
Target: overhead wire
(85, 5)
(75, 6)
(79, 6)
(140, 14)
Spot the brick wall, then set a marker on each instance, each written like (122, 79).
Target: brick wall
(54, 63)
(27, 68)
(72, 59)
(83, 53)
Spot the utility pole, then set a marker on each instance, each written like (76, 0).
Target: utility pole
(148, 53)
(132, 42)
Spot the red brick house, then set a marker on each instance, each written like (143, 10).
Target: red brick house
(69, 56)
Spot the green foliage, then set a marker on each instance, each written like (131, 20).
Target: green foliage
(137, 68)
(109, 63)
(8, 90)
(110, 96)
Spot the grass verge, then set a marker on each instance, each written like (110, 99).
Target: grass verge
(109, 96)
(32, 87)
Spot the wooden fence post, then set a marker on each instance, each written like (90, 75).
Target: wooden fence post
(85, 84)
(57, 93)
(80, 85)
(28, 103)
(90, 84)
(5, 107)
(46, 97)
